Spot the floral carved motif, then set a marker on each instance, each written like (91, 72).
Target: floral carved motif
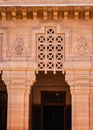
(19, 48)
(81, 48)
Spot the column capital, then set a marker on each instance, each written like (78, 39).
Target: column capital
(79, 71)
(19, 79)
(80, 90)
(79, 78)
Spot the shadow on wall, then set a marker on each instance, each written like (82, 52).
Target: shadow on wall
(3, 104)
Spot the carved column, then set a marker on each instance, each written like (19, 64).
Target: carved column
(18, 86)
(26, 108)
(91, 102)
(80, 108)
(79, 82)
(28, 104)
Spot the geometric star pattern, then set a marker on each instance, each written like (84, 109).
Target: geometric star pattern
(50, 48)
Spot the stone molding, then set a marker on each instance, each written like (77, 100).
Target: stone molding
(46, 12)
(45, 2)
(79, 78)
(18, 65)
(81, 82)
(18, 88)
(80, 90)
(19, 81)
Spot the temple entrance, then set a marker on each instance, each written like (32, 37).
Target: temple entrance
(51, 102)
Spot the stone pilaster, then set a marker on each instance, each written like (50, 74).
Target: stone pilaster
(18, 86)
(80, 108)
(91, 103)
(28, 105)
(79, 82)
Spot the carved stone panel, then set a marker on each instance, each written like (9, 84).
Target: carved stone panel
(50, 50)
(18, 48)
(81, 48)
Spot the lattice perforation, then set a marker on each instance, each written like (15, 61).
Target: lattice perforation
(50, 50)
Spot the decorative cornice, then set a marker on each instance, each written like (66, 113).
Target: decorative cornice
(46, 12)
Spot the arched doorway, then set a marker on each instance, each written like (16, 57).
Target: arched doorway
(51, 102)
(3, 105)
(53, 110)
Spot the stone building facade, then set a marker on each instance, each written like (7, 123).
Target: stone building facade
(46, 63)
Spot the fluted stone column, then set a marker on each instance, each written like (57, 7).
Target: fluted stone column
(18, 86)
(79, 82)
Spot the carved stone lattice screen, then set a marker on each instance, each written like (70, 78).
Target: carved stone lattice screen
(50, 50)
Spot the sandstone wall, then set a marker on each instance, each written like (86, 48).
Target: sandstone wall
(22, 34)
(47, 2)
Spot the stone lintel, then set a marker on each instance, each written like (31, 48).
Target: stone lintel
(18, 66)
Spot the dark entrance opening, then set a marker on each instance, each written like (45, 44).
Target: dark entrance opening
(53, 110)
(3, 110)
(53, 118)
(3, 104)
(51, 102)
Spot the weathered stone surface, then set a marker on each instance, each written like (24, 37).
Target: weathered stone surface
(44, 2)
(23, 31)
